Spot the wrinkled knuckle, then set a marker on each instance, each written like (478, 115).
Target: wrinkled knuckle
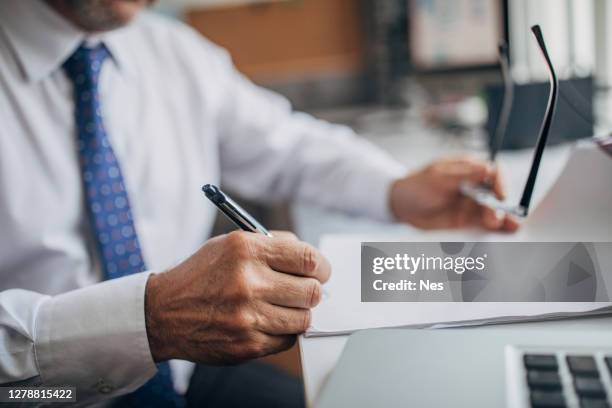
(257, 286)
(239, 244)
(283, 321)
(314, 293)
(234, 238)
(243, 286)
(244, 321)
(310, 261)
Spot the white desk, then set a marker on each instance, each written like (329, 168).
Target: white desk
(320, 355)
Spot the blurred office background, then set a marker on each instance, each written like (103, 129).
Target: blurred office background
(420, 78)
(326, 54)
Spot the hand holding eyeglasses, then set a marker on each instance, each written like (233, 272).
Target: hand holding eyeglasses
(481, 193)
(430, 198)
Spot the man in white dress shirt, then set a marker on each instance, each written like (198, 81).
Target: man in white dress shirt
(166, 112)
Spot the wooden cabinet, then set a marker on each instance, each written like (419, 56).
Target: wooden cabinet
(279, 41)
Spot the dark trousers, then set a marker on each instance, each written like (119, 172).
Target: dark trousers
(251, 384)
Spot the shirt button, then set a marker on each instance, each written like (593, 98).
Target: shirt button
(105, 389)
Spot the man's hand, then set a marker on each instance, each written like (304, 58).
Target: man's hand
(239, 297)
(430, 198)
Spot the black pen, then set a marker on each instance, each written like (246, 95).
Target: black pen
(233, 211)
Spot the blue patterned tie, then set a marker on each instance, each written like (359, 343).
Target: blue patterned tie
(108, 204)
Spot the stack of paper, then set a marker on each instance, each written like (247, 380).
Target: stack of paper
(577, 208)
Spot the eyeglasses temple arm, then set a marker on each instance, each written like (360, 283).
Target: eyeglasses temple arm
(545, 129)
(504, 116)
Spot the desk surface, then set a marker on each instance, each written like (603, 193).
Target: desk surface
(320, 355)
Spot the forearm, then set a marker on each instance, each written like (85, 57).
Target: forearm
(301, 158)
(351, 175)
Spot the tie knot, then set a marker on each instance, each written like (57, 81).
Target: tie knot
(85, 63)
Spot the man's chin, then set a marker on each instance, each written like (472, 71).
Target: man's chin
(124, 11)
(99, 15)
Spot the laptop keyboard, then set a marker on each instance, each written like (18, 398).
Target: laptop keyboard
(568, 380)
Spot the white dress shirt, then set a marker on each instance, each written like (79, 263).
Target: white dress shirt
(178, 115)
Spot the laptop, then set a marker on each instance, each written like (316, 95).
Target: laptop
(494, 367)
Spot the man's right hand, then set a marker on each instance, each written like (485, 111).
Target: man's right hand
(239, 297)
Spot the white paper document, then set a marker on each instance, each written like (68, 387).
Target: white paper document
(578, 207)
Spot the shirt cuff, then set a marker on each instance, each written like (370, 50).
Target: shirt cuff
(95, 339)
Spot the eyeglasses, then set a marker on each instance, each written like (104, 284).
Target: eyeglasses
(506, 107)
(483, 194)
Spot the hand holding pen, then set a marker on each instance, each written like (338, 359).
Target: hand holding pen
(241, 296)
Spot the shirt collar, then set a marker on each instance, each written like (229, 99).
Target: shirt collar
(42, 39)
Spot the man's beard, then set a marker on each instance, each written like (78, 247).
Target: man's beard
(97, 15)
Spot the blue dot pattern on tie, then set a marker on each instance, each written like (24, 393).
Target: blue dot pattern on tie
(108, 204)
